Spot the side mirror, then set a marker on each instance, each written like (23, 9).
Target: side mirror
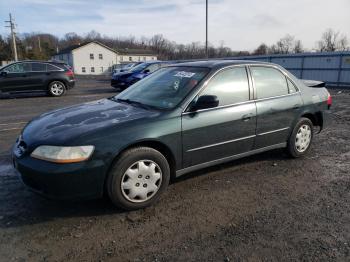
(204, 102)
(3, 73)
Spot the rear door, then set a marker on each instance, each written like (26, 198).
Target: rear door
(38, 76)
(277, 105)
(223, 131)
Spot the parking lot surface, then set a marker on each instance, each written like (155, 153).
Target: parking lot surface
(265, 207)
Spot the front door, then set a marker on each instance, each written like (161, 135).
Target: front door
(225, 130)
(16, 78)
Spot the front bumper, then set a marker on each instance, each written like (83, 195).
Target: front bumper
(119, 84)
(83, 180)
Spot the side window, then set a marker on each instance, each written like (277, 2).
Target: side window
(52, 68)
(292, 88)
(153, 68)
(18, 68)
(269, 82)
(230, 86)
(38, 67)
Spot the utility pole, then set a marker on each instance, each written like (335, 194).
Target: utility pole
(39, 43)
(206, 29)
(13, 35)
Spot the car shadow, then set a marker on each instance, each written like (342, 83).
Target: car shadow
(23, 95)
(19, 206)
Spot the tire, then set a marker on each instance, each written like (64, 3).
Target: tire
(57, 88)
(300, 140)
(130, 189)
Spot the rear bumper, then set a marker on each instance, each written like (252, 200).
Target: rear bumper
(326, 119)
(70, 83)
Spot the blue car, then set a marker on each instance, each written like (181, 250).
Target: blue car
(123, 80)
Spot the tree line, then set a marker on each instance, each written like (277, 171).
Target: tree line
(41, 46)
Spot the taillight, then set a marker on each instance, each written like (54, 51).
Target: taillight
(70, 73)
(329, 101)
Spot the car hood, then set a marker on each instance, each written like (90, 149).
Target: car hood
(67, 124)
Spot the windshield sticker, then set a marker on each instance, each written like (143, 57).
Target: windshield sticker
(184, 74)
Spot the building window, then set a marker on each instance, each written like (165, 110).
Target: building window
(100, 56)
(101, 69)
(92, 69)
(144, 58)
(91, 56)
(130, 58)
(121, 58)
(110, 69)
(61, 57)
(139, 58)
(83, 69)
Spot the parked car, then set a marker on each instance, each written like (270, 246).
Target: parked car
(125, 79)
(124, 67)
(33, 76)
(182, 118)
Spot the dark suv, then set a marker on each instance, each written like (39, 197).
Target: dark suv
(29, 76)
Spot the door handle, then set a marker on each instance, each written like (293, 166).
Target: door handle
(297, 106)
(48, 74)
(24, 75)
(247, 117)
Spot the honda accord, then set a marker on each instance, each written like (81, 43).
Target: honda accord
(181, 118)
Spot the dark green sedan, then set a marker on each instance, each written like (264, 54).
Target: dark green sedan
(181, 118)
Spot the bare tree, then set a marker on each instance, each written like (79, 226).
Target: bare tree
(262, 49)
(298, 47)
(332, 41)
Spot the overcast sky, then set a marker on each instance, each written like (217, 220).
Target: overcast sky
(241, 25)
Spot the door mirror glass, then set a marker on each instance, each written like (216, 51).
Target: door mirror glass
(205, 102)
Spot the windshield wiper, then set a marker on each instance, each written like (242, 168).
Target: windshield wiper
(132, 102)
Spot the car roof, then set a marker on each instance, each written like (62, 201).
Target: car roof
(216, 64)
(36, 61)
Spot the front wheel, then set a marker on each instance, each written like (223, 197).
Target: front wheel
(57, 88)
(300, 140)
(138, 178)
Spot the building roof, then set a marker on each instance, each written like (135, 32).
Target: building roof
(125, 51)
(129, 51)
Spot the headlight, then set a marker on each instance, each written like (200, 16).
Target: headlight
(60, 154)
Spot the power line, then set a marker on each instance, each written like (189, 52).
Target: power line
(13, 35)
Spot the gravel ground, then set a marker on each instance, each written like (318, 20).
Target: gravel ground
(263, 208)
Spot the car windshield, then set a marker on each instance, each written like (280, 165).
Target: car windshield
(139, 67)
(164, 89)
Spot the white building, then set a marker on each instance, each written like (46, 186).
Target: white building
(94, 58)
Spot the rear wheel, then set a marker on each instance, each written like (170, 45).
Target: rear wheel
(138, 178)
(57, 88)
(300, 140)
